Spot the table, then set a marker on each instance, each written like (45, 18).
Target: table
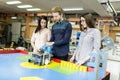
(11, 69)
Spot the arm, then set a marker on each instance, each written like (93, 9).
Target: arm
(66, 37)
(76, 51)
(48, 35)
(97, 41)
(80, 62)
(50, 38)
(33, 41)
(33, 44)
(52, 35)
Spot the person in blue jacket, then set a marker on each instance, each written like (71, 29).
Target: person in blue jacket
(60, 34)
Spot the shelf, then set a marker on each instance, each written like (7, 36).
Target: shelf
(113, 28)
(105, 18)
(75, 28)
(32, 24)
(23, 24)
(21, 14)
(73, 19)
(30, 14)
(116, 28)
(41, 14)
(1, 31)
(3, 21)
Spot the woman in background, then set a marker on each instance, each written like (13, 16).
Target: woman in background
(41, 35)
(89, 41)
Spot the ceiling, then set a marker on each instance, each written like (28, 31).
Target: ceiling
(93, 6)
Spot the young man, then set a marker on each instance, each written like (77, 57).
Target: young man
(61, 33)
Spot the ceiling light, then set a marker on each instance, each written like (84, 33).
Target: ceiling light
(104, 1)
(109, 9)
(113, 9)
(118, 11)
(24, 6)
(34, 9)
(73, 9)
(114, 0)
(13, 2)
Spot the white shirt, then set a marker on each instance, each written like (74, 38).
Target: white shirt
(40, 38)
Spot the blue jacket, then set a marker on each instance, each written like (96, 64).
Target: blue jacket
(61, 33)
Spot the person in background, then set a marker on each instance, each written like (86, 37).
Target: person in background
(89, 41)
(60, 34)
(41, 34)
(20, 41)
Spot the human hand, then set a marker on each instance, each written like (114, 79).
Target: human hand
(49, 43)
(72, 59)
(36, 49)
(79, 63)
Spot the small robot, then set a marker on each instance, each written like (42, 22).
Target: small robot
(42, 56)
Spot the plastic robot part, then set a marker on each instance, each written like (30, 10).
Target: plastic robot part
(47, 62)
(42, 56)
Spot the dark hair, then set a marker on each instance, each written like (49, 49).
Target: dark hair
(39, 23)
(89, 21)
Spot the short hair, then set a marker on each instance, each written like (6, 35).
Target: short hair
(57, 9)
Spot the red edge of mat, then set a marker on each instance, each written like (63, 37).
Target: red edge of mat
(13, 51)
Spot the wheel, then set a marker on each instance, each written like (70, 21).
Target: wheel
(47, 61)
(36, 61)
(39, 63)
(29, 60)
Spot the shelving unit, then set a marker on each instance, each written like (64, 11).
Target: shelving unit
(23, 24)
(29, 26)
(107, 28)
(2, 22)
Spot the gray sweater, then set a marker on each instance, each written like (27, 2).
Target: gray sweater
(89, 42)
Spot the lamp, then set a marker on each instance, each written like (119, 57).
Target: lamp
(109, 5)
